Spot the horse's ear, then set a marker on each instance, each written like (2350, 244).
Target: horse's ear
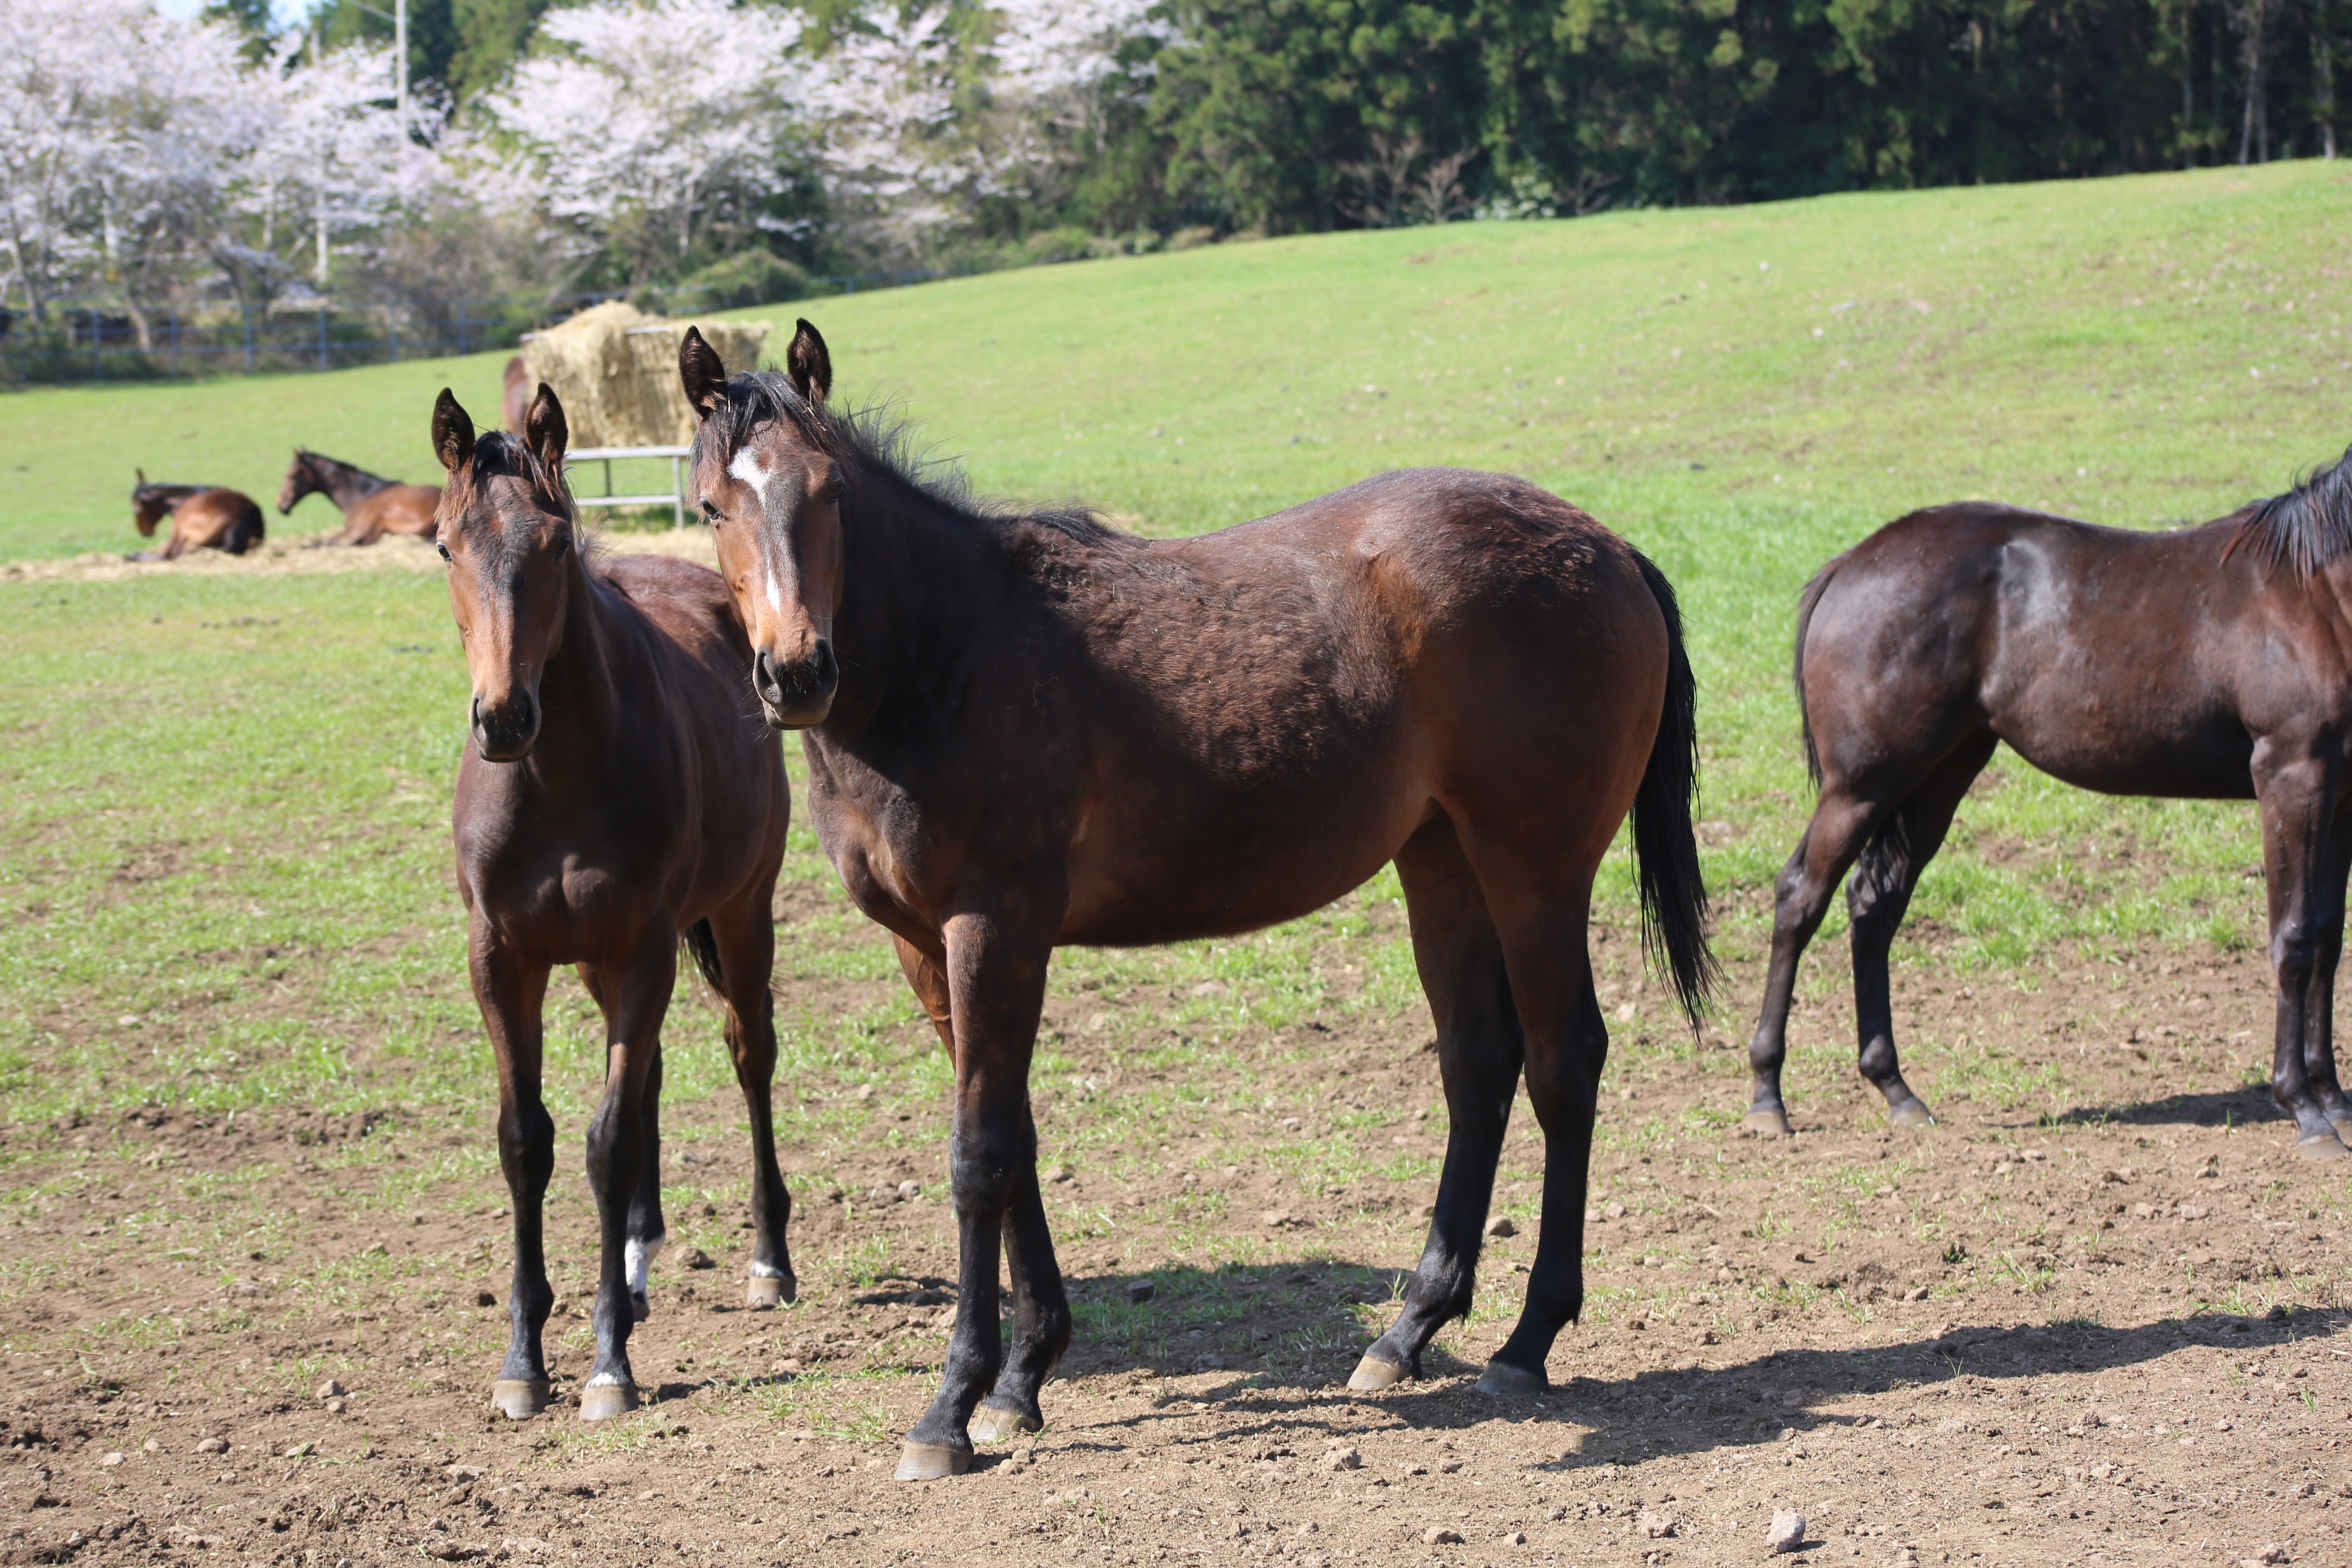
(142, 477)
(546, 428)
(705, 377)
(808, 364)
(453, 432)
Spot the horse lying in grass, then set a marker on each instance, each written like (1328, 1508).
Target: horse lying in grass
(204, 517)
(2210, 663)
(616, 796)
(1028, 730)
(371, 507)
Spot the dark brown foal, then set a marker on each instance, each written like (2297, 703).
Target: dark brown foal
(2210, 663)
(1026, 730)
(616, 796)
(204, 517)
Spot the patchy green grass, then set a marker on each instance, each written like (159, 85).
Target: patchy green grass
(223, 855)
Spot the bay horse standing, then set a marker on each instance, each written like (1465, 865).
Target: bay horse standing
(616, 796)
(204, 517)
(1027, 730)
(372, 506)
(2208, 663)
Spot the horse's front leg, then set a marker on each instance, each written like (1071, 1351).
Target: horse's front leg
(995, 965)
(510, 991)
(636, 994)
(2304, 860)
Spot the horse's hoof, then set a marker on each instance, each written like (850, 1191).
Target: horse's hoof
(603, 1401)
(1000, 1423)
(2321, 1146)
(1773, 1123)
(639, 1307)
(932, 1461)
(1372, 1374)
(1910, 1114)
(1503, 1380)
(769, 1291)
(518, 1398)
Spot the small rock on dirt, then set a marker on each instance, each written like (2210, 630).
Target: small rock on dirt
(1438, 1535)
(1500, 1224)
(1343, 1459)
(1515, 1538)
(699, 1258)
(330, 1389)
(1057, 1173)
(112, 1460)
(1141, 1290)
(1787, 1533)
(300, 1450)
(909, 1190)
(1654, 1526)
(212, 1446)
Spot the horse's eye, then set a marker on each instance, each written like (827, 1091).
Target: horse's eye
(562, 542)
(710, 509)
(442, 548)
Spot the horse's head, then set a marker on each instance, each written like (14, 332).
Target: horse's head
(769, 471)
(302, 479)
(149, 505)
(505, 527)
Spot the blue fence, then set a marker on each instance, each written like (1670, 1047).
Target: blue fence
(81, 341)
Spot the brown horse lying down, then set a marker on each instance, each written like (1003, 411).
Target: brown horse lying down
(204, 517)
(1028, 730)
(2210, 663)
(371, 507)
(615, 797)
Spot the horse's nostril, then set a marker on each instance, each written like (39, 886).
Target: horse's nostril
(825, 667)
(772, 683)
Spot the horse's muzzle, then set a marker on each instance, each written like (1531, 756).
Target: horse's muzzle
(798, 694)
(505, 733)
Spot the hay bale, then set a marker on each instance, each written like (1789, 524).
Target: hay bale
(615, 368)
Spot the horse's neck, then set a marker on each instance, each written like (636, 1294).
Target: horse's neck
(345, 484)
(915, 576)
(578, 699)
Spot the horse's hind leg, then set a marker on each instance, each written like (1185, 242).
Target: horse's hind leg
(1460, 958)
(1801, 896)
(510, 993)
(634, 998)
(648, 1232)
(1888, 870)
(745, 940)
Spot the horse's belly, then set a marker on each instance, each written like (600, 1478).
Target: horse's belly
(2196, 766)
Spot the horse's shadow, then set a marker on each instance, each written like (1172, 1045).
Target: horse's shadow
(1290, 1399)
(2218, 1107)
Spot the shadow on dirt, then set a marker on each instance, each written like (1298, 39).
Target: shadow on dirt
(2223, 1108)
(1279, 1342)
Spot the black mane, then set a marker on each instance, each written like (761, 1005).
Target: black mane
(877, 444)
(373, 483)
(2306, 527)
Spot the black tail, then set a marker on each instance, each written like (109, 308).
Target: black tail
(1806, 603)
(705, 947)
(1674, 891)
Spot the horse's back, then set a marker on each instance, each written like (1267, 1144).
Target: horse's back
(401, 509)
(219, 519)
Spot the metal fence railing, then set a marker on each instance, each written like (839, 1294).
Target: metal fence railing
(81, 341)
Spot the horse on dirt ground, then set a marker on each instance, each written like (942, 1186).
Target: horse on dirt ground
(372, 506)
(2210, 663)
(617, 795)
(204, 517)
(1028, 730)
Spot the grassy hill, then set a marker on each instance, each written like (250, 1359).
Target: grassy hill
(1743, 391)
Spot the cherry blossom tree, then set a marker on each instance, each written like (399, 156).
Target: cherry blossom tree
(655, 121)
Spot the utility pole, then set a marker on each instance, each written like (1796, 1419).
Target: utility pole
(399, 55)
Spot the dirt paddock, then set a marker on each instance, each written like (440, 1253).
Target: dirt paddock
(2111, 1335)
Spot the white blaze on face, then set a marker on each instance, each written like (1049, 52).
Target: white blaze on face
(637, 1259)
(747, 468)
